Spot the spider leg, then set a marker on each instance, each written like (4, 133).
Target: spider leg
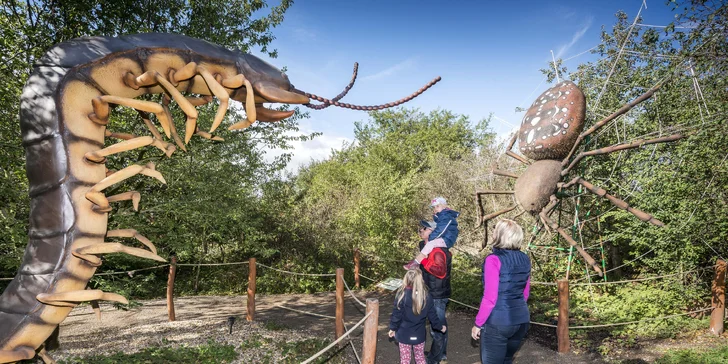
(518, 158)
(481, 211)
(635, 144)
(554, 226)
(622, 110)
(514, 155)
(615, 201)
(503, 173)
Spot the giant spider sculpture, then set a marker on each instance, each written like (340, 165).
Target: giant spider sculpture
(550, 133)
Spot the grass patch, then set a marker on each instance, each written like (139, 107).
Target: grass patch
(271, 351)
(212, 352)
(712, 356)
(274, 326)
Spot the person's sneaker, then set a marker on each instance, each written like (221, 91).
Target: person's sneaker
(411, 265)
(443, 360)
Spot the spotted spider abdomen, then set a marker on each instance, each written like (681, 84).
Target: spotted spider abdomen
(553, 122)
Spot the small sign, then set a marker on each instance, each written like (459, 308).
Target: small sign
(390, 284)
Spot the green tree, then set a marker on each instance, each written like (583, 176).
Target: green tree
(211, 200)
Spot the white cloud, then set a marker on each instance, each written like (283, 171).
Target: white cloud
(575, 38)
(407, 63)
(304, 153)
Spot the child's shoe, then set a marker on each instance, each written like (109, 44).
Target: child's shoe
(411, 265)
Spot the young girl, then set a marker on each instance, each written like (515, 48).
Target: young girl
(412, 306)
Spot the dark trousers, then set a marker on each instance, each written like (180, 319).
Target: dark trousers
(499, 343)
(438, 349)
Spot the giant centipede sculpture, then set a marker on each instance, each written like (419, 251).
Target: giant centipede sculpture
(64, 113)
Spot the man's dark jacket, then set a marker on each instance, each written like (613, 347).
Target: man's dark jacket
(439, 288)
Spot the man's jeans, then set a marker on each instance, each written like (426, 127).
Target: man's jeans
(438, 349)
(499, 343)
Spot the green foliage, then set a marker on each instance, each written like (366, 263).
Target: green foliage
(636, 302)
(712, 356)
(212, 352)
(209, 210)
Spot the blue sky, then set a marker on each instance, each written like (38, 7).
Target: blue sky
(487, 53)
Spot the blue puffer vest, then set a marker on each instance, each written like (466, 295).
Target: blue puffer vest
(510, 307)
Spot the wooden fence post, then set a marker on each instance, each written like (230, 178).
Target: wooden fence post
(170, 287)
(369, 346)
(339, 302)
(252, 272)
(718, 314)
(562, 328)
(356, 268)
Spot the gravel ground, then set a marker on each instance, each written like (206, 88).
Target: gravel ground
(199, 319)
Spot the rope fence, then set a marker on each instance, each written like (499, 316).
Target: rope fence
(476, 309)
(352, 294)
(209, 264)
(640, 321)
(297, 273)
(351, 343)
(342, 337)
(306, 312)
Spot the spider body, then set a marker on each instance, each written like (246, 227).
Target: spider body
(550, 133)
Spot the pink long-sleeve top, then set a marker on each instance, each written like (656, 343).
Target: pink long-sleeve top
(491, 278)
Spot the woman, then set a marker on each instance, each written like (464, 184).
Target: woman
(502, 321)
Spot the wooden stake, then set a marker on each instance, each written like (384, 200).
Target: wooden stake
(562, 328)
(718, 314)
(356, 268)
(339, 302)
(170, 287)
(369, 346)
(252, 272)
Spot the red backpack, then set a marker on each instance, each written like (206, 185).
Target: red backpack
(436, 263)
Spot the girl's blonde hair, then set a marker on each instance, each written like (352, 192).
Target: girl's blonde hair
(507, 235)
(413, 278)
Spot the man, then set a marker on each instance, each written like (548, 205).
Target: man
(436, 273)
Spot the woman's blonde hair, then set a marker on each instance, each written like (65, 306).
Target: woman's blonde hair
(413, 279)
(507, 235)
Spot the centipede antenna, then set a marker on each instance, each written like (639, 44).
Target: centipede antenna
(375, 107)
(342, 94)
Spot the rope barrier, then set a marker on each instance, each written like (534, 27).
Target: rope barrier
(209, 264)
(543, 283)
(638, 321)
(474, 308)
(351, 343)
(639, 279)
(352, 294)
(365, 277)
(345, 335)
(130, 272)
(306, 312)
(297, 273)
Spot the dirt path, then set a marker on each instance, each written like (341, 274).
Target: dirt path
(204, 317)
